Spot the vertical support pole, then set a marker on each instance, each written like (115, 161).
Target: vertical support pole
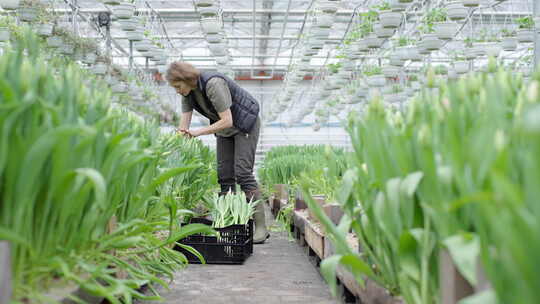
(109, 40)
(5, 274)
(536, 14)
(131, 55)
(146, 64)
(75, 10)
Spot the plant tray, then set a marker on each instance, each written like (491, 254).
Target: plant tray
(233, 246)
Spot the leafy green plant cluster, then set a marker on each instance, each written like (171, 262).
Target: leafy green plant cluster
(70, 165)
(459, 172)
(431, 17)
(231, 209)
(525, 22)
(371, 70)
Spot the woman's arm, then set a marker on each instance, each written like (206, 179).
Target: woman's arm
(225, 121)
(185, 120)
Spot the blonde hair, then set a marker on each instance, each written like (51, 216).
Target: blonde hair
(182, 71)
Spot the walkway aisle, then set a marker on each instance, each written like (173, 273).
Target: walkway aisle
(277, 272)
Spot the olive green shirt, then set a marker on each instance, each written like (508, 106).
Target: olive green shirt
(219, 94)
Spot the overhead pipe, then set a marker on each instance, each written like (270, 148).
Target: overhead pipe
(279, 46)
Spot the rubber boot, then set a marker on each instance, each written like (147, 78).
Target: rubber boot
(261, 234)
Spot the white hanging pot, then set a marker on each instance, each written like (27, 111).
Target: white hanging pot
(9, 5)
(208, 11)
(143, 46)
(456, 11)
(382, 32)
(89, 58)
(471, 3)
(361, 46)
(422, 50)
(27, 14)
(376, 81)
(414, 54)
(136, 35)
(398, 6)
(66, 49)
(45, 29)
(222, 59)
(316, 45)
(211, 25)
(111, 2)
(492, 48)
(320, 32)
(54, 42)
(309, 52)
(374, 42)
(431, 42)
(124, 11)
(470, 53)
(394, 98)
(204, 3)
(128, 25)
(479, 48)
(217, 49)
(99, 68)
(348, 65)
(445, 30)
(525, 35)
(4, 34)
(214, 38)
(119, 88)
(389, 19)
(328, 6)
(324, 20)
(509, 44)
(405, 1)
(461, 66)
(537, 23)
(390, 71)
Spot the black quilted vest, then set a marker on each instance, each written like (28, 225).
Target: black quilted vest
(244, 108)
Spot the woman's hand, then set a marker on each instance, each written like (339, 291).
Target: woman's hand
(188, 133)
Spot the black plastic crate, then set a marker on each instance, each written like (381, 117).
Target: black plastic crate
(233, 246)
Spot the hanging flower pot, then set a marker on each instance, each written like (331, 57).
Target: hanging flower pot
(217, 49)
(382, 32)
(328, 6)
(124, 10)
(208, 11)
(456, 11)
(479, 49)
(389, 19)
(316, 44)
(525, 35)
(361, 46)
(492, 48)
(324, 20)
(27, 13)
(394, 98)
(211, 25)
(9, 5)
(431, 42)
(222, 60)
(413, 53)
(422, 50)
(373, 42)
(119, 88)
(348, 65)
(398, 6)
(204, 3)
(461, 66)
(390, 71)
(214, 38)
(54, 42)
(45, 29)
(509, 44)
(128, 25)
(143, 46)
(405, 1)
(310, 52)
(111, 2)
(537, 23)
(471, 3)
(66, 49)
(376, 81)
(89, 58)
(99, 68)
(470, 53)
(136, 35)
(445, 30)
(4, 34)
(320, 32)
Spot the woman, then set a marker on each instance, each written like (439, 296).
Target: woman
(234, 119)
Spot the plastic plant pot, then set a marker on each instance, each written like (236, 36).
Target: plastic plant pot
(537, 23)
(119, 88)
(45, 29)
(214, 38)
(54, 42)
(373, 42)
(445, 30)
(111, 2)
(211, 25)
(470, 53)
(405, 1)
(456, 11)
(9, 5)
(316, 45)
(319, 32)
(431, 42)
(222, 59)
(509, 44)
(389, 19)
(99, 68)
(471, 3)
(89, 58)
(461, 66)
(525, 35)
(136, 35)
(376, 81)
(399, 6)
(208, 11)
(479, 49)
(328, 6)
(143, 46)
(66, 49)
(390, 71)
(124, 10)
(382, 32)
(492, 48)
(349, 66)
(27, 14)
(204, 3)
(128, 25)
(324, 20)
(217, 48)
(4, 34)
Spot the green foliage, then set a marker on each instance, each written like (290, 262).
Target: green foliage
(432, 16)
(371, 70)
(525, 22)
(231, 209)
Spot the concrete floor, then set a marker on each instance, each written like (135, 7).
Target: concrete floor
(277, 272)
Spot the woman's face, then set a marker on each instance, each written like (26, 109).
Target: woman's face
(182, 88)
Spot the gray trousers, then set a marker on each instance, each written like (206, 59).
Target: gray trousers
(236, 158)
